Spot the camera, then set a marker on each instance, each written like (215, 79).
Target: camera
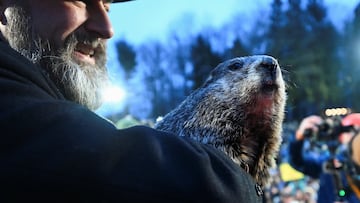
(331, 128)
(339, 163)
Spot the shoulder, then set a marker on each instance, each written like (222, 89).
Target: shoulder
(138, 164)
(198, 172)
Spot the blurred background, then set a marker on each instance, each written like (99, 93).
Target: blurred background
(163, 50)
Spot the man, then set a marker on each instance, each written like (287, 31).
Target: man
(54, 149)
(311, 162)
(353, 166)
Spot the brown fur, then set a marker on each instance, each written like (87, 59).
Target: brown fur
(239, 110)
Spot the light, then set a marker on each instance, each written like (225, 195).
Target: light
(113, 94)
(337, 112)
(342, 193)
(160, 118)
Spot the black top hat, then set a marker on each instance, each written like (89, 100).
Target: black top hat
(115, 1)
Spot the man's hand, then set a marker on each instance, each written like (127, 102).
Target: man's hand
(309, 123)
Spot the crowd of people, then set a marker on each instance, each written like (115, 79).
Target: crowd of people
(296, 191)
(311, 157)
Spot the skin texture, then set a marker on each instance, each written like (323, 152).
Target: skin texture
(72, 16)
(310, 122)
(239, 110)
(66, 17)
(67, 38)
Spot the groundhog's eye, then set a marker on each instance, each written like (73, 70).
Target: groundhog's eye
(236, 66)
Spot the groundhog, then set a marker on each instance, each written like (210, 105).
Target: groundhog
(239, 110)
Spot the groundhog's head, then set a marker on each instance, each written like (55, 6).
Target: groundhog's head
(255, 79)
(249, 94)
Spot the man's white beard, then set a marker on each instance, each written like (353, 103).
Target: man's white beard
(79, 82)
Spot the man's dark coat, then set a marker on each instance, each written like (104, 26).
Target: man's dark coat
(53, 150)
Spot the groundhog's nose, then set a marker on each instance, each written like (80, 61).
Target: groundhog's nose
(269, 66)
(269, 63)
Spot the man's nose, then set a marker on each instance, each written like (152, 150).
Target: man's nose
(98, 21)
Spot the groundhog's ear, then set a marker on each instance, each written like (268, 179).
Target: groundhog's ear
(209, 78)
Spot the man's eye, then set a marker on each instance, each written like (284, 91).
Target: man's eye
(89, 3)
(80, 3)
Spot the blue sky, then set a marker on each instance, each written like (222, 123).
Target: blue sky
(141, 20)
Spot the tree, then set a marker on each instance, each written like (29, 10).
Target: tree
(276, 34)
(180, 60)
(351, 49)
(126, 57)
(323, 41)
(203, 60)
(305, 42)
(154, 69)
(238, 49)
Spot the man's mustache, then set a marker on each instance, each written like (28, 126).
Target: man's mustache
(86, 39)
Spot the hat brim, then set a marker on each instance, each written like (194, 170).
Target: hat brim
(119, 1)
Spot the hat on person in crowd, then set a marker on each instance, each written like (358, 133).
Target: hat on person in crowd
(351, 119)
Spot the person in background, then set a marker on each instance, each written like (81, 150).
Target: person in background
(355, 144)
(311, 162)
(54, 148)
(353, 165)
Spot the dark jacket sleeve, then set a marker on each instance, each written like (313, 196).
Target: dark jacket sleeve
(304, 160)
(52, 150)
(79, 155)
